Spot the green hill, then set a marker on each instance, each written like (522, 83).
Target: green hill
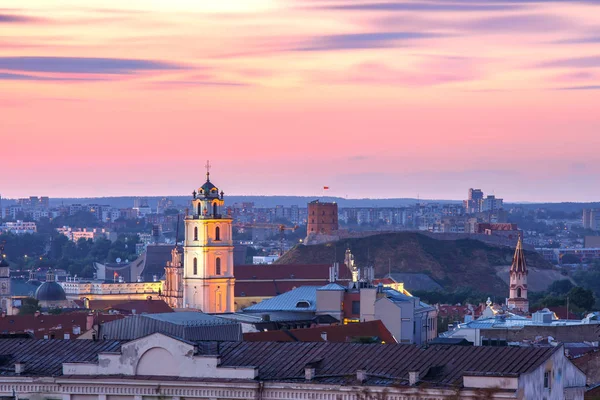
(451, 263)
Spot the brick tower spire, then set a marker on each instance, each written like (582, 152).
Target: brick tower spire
(518, 281)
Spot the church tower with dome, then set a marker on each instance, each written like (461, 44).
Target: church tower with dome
(208, 280)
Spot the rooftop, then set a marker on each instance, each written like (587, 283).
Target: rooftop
(334, 363)
(334, 333)
(300, 299)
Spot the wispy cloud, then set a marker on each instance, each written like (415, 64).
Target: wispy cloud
(588, 87)
(422, 6)
(580, 62)
(579, 40)
(18, 19)
(7, 76)
(83, 65)
(363, 40)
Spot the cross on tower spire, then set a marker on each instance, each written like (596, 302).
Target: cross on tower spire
(207, 170)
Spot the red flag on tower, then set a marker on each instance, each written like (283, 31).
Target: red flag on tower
(325, 187)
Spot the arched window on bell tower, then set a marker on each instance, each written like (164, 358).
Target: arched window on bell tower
(215, 209)
(519, 292)
(218, 266)
(217, 233)
(196, 233)
(199, 208)
(195, 266)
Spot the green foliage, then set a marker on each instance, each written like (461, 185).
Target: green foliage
(29, 306)
(570, 259)
(582, 298)
(589, 279)
(462, 295)
(560, 287)
(55, 311)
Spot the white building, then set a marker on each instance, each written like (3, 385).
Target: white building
(19, 227)
(160, 366)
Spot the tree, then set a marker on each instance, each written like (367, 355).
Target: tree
(29, 306)
(582, 298)
(570, 259)
(560, 287)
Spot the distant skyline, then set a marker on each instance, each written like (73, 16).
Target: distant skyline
(373, 98)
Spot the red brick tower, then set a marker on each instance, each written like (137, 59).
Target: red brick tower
(322, 218)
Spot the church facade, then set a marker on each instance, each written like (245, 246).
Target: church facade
(200, 276)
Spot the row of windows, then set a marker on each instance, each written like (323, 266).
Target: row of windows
(217, 233)
(217, 266)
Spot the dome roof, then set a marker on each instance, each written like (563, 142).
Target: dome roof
(50, 291)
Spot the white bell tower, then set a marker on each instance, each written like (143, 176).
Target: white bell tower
(208, 280)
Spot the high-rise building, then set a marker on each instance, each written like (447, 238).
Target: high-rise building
(491, 203)
(322, 218)
(518, 281)
(208, 280)
(473, 202)
(591, 219)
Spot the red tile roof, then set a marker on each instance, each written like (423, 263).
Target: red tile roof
(126, 307)
(271, 288)
(287, 271)
(52, 325)
(272, 280)
(335, 333)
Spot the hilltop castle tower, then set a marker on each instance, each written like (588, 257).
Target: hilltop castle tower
(208, 280)
(518, 281)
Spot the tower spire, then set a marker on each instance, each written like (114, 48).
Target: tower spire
(519, 264)
(207, 170)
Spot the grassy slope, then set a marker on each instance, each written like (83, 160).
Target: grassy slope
(452, 263)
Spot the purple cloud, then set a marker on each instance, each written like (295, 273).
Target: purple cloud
(17, 19)
(83, 65)
(589, 87)
(422, 6)
(362, 40)
(7, 76)
(581, 62)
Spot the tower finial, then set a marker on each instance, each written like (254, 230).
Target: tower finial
(207, 170)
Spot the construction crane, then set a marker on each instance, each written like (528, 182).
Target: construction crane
(280, 227)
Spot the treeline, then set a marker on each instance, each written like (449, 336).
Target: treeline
(57, 251)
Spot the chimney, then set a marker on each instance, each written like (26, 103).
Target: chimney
(19, 368)
(361, 375)
(413, 377)
(309, 373)
(324, 336)
(86, 303)
(89, 322)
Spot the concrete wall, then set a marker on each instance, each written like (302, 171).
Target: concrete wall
(564, 378)
(159, 355)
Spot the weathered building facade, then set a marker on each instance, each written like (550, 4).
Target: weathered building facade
(159, 366)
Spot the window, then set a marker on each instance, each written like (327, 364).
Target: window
(195, 266)
(218, 300)
(548, 380)
(218, 266)
(519, 292)
(199, 209)
(196, 233)
(356, 307)
(217, 233)
(215, 209)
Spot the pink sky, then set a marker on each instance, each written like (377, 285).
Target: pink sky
(372, 98)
